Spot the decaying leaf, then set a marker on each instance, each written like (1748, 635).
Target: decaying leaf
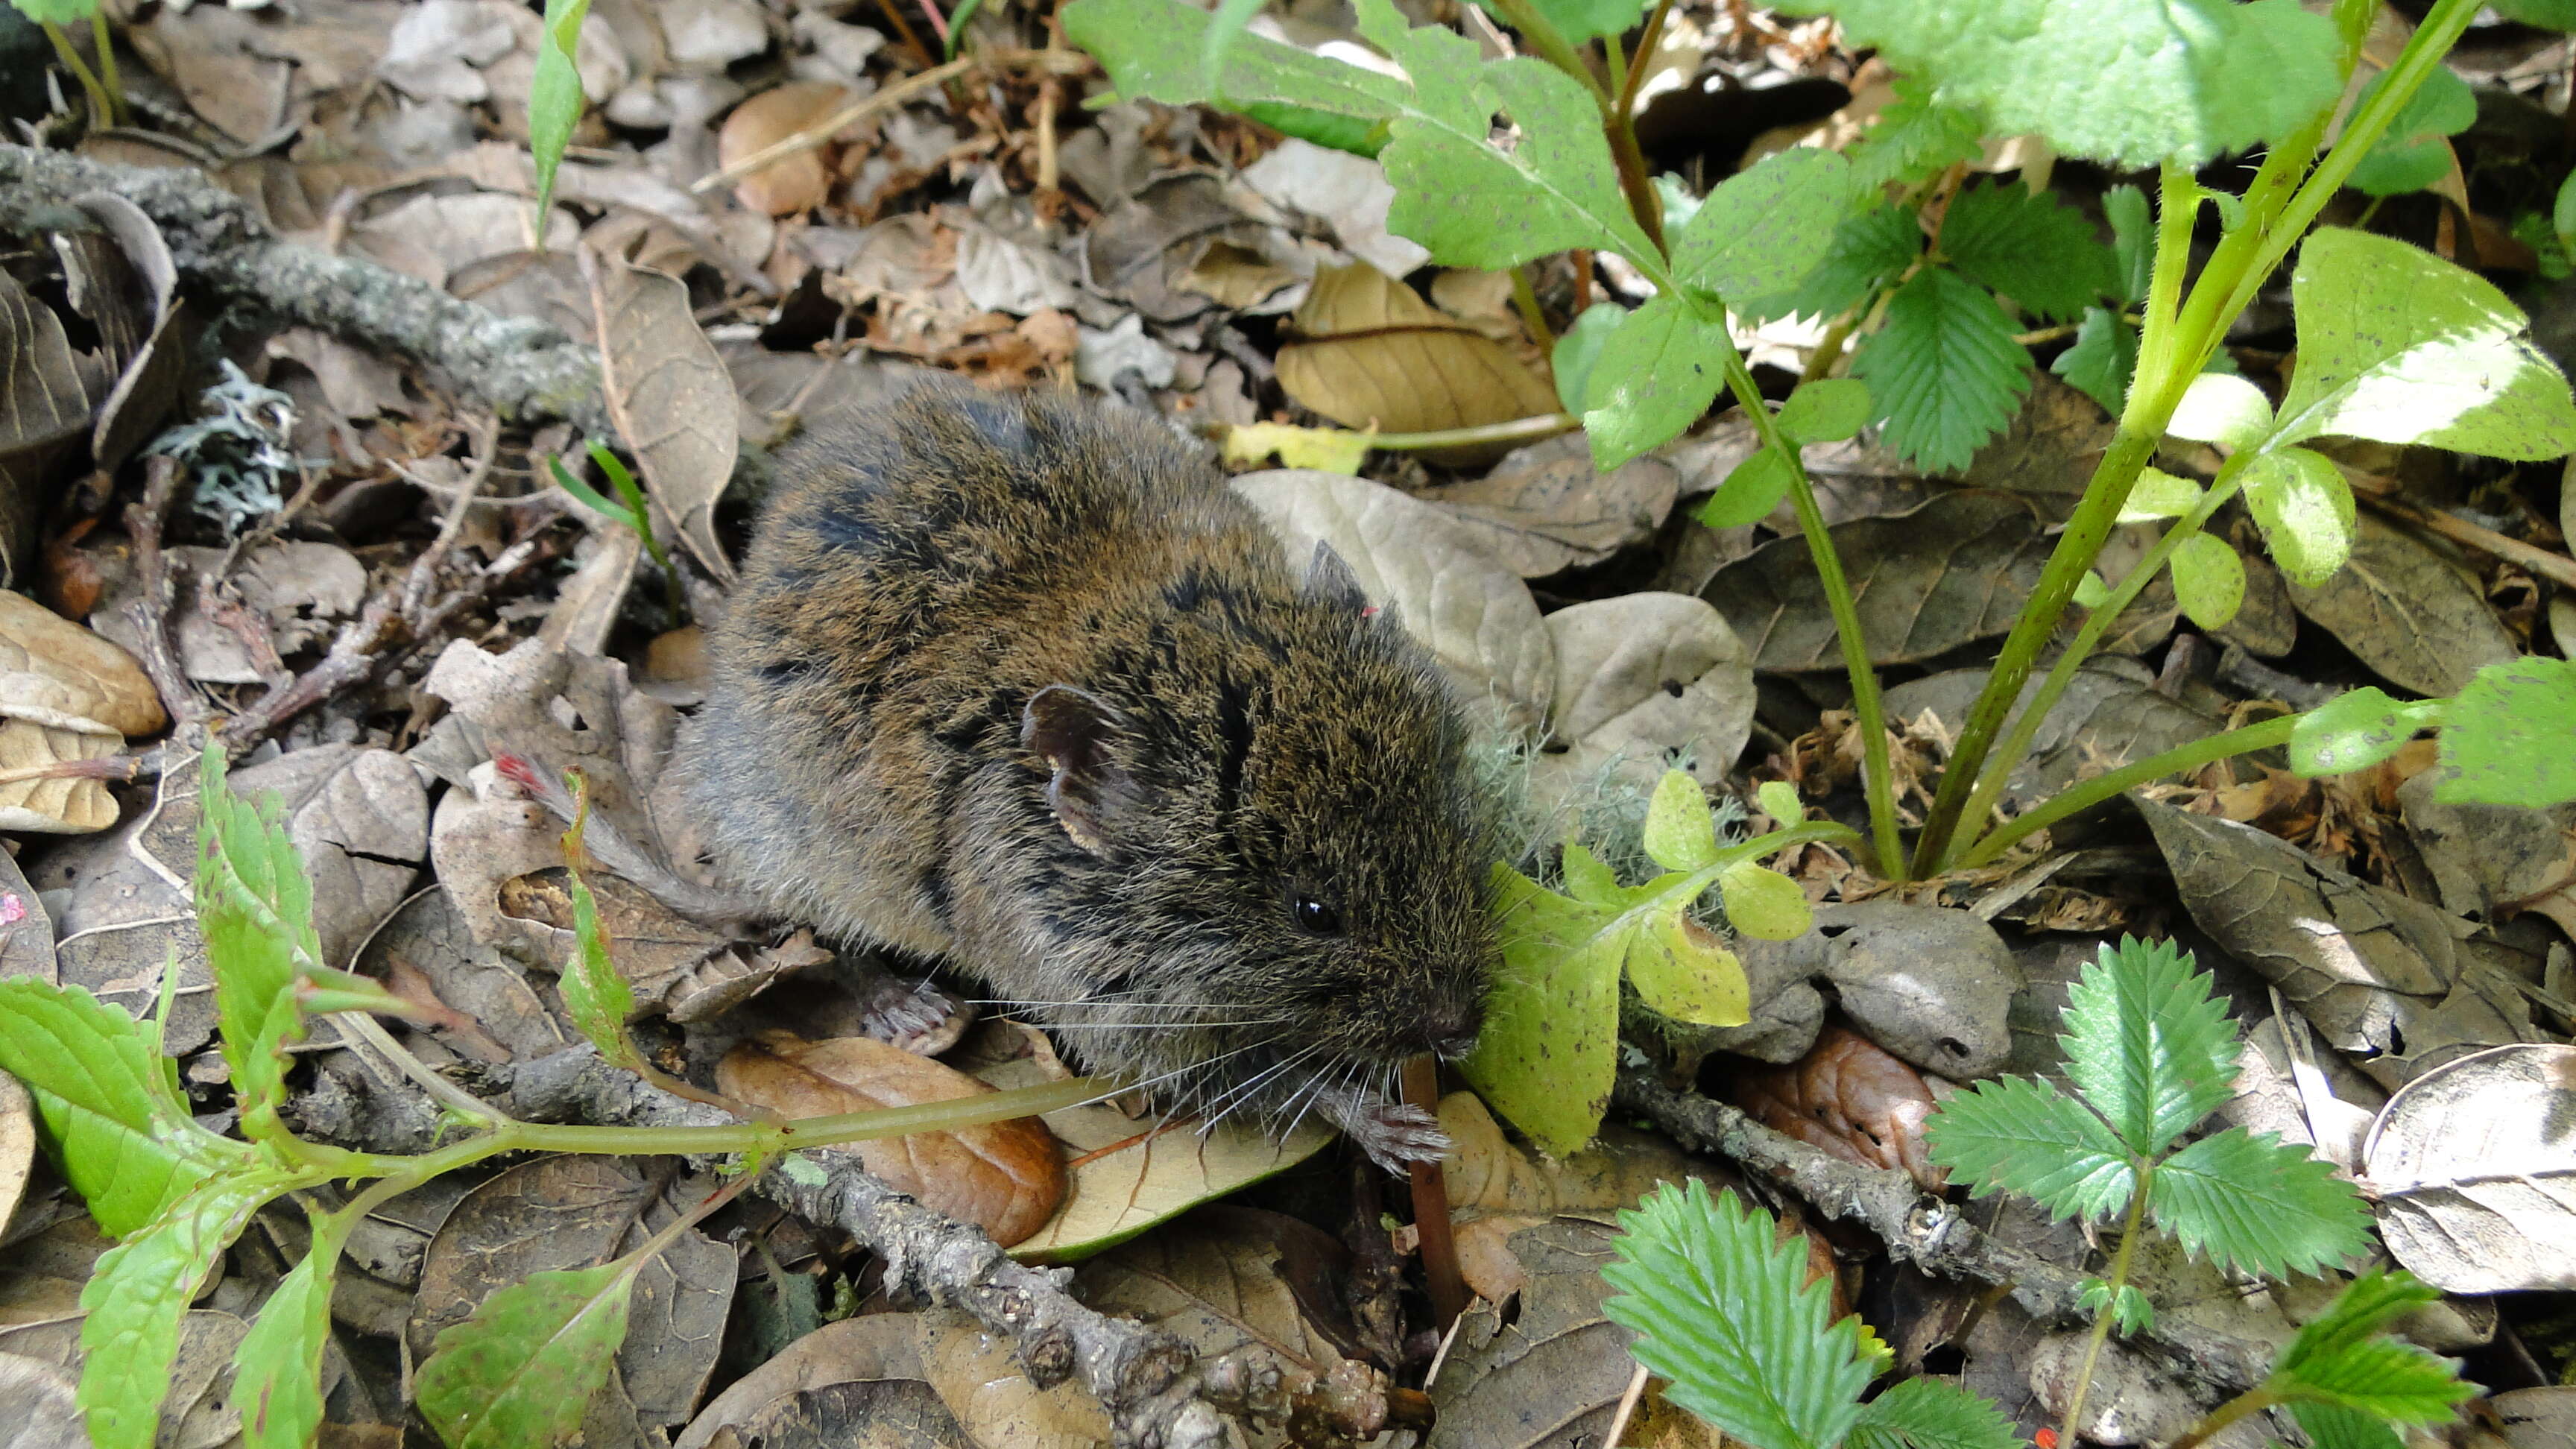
(2110, 715)
(1849, 1098)
(669, 395)
(843, 1380)
(1546, 509)
(1644, 682)
(2408, 612)
(989, 1391)
(792, 183)
(1549, 1360)
(2476, 1172)
(65, 694)
(1372, 353)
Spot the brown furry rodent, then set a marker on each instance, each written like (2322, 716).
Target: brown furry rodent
(1016, 683)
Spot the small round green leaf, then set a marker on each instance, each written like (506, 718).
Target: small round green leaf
(1680, 834)
(2305, 508)
(2222, 409)
(2208, 580)
(1683, 972)
(1750, 492)
(1827, 410)
(1764, 903)
(2352, 731)
(2159, 494)
(1779, 800)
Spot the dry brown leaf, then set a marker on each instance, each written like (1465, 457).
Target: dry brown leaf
(55, 672)
(1851, 1100)
(988, 1390)
(669, 395)
(1372, 353)
(792, 183)
(1006, 1177)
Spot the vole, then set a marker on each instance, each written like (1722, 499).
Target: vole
(1018, 685)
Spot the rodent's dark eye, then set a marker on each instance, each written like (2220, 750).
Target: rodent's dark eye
(1313, 916)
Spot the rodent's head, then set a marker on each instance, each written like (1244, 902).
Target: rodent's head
(1271, 812)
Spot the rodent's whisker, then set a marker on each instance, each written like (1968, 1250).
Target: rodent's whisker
(1139, 1025)
(1240, 1095)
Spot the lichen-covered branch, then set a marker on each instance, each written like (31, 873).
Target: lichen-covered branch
(523, 370)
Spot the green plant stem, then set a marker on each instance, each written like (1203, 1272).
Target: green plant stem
(1545, 425)
(1647, 39)
(107, 75)
(1869, 715)
(2253, 1401)
(102, 110)
(2267, 735)
(1533, 317)
(2129, 1233)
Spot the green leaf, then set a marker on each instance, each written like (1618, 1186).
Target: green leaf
(1155, 50)
(1779, 800)
(591, 498)
(2090, 591)
(1680, 832)
(1750, 490)
(1762, 230)
(2332, 1426)
(1868, 251)
(555, 98)
(2510, 736)
(2194, 77)
(2133, 242)
(2340, 1357)
(2305, 509)
(1656, 376)
(1684, 973)
(2129, 1309)
(1827, 410)
(2412, 154)
(2224, 409)
(2103, 359)
(108, 1103)
(1473, 203)
(2562, 213)
(2399, 346)
(1764, 904)
(1582, 20)
(1231, 17)
(1727, 1316)
(1578, 351)
(2258, 1205)
(57, 12)
(2018, 1134)
(1357, 135)
(1548, 1053)
(1945, 370)
(2354, 731)
(2145, 1044)
(2029, 248)
(255, 910)
(2208, 580)
(520, 1373)
(1914, 139)
(277, 1367)
(1928, 1413)
(1591, 882)
(2547, 14)
(136, 1295)
(2160, 494)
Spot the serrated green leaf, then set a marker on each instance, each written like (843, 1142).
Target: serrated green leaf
(1827, 410)
(2332, 1426)
(1728, 1316)
(109, 1107)
(1578, 351)
(1930, 1413)
(1155, 49)
(2160, 494)
(2208, 580)
(1680, 832)
(1750, 490)
(1868, 251)
(2353, 731)
(277, 1367)
(1945, 370)
(1779, 800)
(135, 1297)
(2258, 1204)
(2509, 738)
(1764, 904)
(520, 1373)
(2130, 1311)
(2133, 242)
(1762, 230)
(1913, 139)
(2305, 509)
(2222, 408)
(2027, 247)
(2102, 360)
(2412, 153)
(1548, 1053)
(2399, 346)
(2195, 77)
(255, 912)
(595, 995)
(2341, 1356)
(1684, 973)
(2146, 1045)
(1657, 375)
(2017, 1134)
(1582, 20)
(555, 98)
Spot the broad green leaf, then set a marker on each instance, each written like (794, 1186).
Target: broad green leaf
(2258, 1205)
(1779, 800)
(1582, 20)
(2399, 346)
(255, 910)
(1230, 18)
(1764, 904)
(2342, 1357)
(2224, 409)
(2133, 242)
(2145, 1044)
(1578, 351)
(1680, 832)
(2305, 509)
(2510, 736)
(1684, 972)
(2413, 154)
(1548, 1053)
(108, 1102)
(135, 1297)
(1913, 139)
(2019, 1134)
(1761, 231)
(277, 1367)
(1656, 376)
(1473, 203)
(2332, 1426)
(520, 1373)
(56, 12)
(2024, 245)
(1726, 1314)
(1750, 490)
(2103, 359)
(1827, 410)
(1868, 251)
(1680, 203)
(1929, 1413)
(1945, 370)
(2208, 580)
(2355, 730)
(2135, 82)
(1155, 49)
(2547, 14)
(2160, 494)
(555, 98)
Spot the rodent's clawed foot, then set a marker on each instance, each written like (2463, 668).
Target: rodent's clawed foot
(1393, 1134)
(914, 1015)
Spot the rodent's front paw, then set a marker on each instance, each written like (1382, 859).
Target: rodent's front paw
(1393, 1134)
(916, 1016)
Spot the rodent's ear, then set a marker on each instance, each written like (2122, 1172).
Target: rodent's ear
(1329, 580)
(1074, 733)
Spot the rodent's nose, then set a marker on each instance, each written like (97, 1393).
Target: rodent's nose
(1450, 1029)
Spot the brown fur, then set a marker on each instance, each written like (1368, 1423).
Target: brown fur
(874, 757)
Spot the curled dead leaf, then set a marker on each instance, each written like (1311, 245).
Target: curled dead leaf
(65, 695)
(1849, 1099)
(792, 183)
(1372, 353)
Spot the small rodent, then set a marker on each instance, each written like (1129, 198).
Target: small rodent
(1017, 684)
